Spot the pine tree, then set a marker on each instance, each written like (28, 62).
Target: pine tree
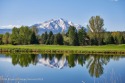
(45, 37)
(34, 39)
(48, 42)
(52, 40)
(58, 39)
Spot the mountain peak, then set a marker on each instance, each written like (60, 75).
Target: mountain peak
(61, 19)
(56, 25)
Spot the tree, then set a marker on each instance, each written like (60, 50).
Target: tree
(25, 35)
(49, 37)
(55, 40)
(34, 39)
(108, 38)
(58, 39)
(82, 36)
(123, 34)
(44, 37)
(15, 36)
(118, 37)
(66, 40)
(52, 40)
(1, 36)
(76, 39)
(96, 29)
(72, 34)
(35, 30)
(6, 38)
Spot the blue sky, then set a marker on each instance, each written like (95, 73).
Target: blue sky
(28, 12)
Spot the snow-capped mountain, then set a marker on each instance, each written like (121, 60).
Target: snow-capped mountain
(56, 25)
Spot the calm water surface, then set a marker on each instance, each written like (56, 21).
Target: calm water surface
(61, 68)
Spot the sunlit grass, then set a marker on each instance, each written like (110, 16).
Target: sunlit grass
(59, 47)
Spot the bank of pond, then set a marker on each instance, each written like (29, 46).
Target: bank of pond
(22, 50)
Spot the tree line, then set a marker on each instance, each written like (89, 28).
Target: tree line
(94, 35)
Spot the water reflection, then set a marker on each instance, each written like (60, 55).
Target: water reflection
(94, 63)
(23, 60)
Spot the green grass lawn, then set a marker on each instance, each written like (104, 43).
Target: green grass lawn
(58, 47)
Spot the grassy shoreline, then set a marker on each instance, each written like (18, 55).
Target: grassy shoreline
(120, 49)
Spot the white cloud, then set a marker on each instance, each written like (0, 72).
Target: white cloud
(5, 59)
(9, 26)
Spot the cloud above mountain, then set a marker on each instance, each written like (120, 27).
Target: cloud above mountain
(9, 26)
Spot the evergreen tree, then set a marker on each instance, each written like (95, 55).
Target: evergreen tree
(49, 37)
(52, 40)
(42, 38)
(72, 34)
(34, 39)
(58, 39)
(76, 39)
(55, 40)
(45, 36)
(82, 36)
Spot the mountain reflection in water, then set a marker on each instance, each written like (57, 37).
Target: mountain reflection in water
(94, 63)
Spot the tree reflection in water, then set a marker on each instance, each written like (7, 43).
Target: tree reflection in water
(24, 60)
(94, 63)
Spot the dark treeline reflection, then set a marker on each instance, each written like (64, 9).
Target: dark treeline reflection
(23, 60)
(94, 63)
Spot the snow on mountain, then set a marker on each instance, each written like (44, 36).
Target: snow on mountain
(56, 25)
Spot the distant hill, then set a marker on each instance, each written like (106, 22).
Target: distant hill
(2, 31)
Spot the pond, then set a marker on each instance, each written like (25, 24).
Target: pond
(61, 68)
